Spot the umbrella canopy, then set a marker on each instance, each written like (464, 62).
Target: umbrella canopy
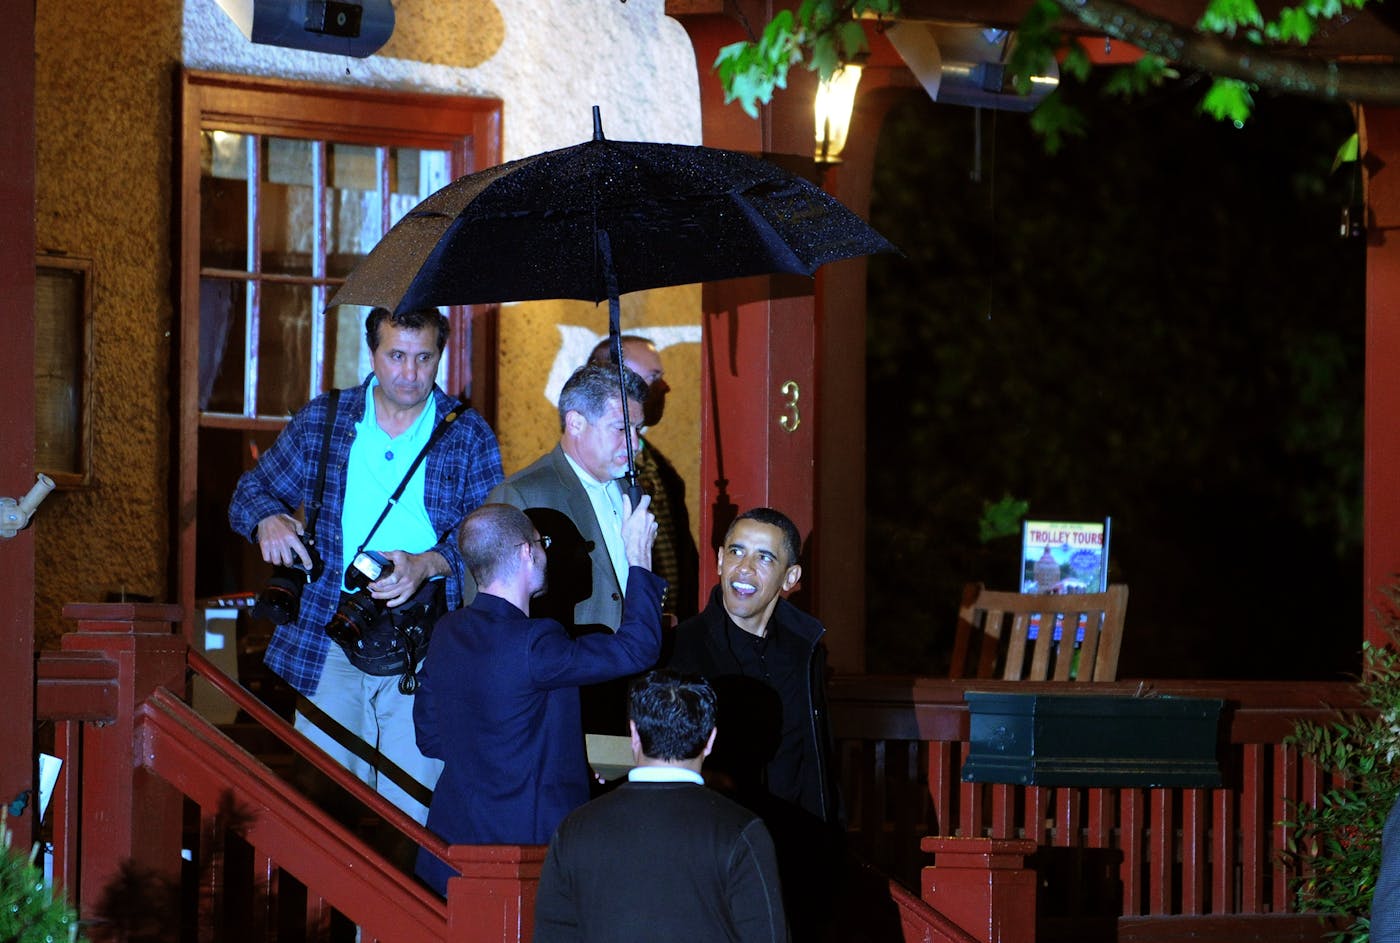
(673, 214)
(601, 219)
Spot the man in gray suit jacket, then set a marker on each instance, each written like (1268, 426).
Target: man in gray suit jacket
(579, 479)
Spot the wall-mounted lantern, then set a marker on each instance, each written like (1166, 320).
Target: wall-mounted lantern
(836, 98)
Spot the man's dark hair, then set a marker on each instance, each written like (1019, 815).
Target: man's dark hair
(590, 387)
(407, 321)
(792, 540)
(674, 714)
(488, 539)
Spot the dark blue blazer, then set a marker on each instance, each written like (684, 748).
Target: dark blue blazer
(499, 706)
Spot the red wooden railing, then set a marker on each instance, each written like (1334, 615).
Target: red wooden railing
(1141, 858)
(153, 798)
(147, 779)
(148, 784)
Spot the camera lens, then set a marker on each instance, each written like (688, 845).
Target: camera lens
(281, 597)
(353, 618)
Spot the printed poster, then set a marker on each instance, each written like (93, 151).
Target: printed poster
(1064, 557)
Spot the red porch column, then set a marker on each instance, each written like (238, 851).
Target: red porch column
(758, 400)
(17, 760)
(983, 886)
(494, 897)
(128, 813)
(1380, 145)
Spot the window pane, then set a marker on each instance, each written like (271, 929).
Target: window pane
(287, 206)
(347, 354)
(60, 366)
(353, 206)
(284, 349)
(414, 175)
(222, 332)
(223, 200)
(224, 154)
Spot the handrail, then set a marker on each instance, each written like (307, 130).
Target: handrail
(911, 708)
(185, 750)
(298, 742)
(921, 922)
(1177, 852)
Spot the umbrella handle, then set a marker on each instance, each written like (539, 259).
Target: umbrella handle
(634, 491)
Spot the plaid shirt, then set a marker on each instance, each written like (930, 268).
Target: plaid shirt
(463, 466)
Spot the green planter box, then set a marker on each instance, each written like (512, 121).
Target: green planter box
(1092, 740)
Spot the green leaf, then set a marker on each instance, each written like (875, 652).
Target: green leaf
(1292, 26)
(1229, 100)
(1034, 46)
(1226, 16)
(1001, 518)
(1076, 62)
(1348, 152)
(1054, 120)
(825, 59)
(851, 39)
(1136, 78)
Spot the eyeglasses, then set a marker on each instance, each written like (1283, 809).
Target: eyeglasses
(544, 542)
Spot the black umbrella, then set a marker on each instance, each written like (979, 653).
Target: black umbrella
(601, 219)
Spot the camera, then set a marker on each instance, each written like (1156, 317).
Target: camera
(358, 609)
(280, 599)
(367, 567)
(353, 617)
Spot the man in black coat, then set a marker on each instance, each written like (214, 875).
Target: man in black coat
(767, 663)
(661, 857)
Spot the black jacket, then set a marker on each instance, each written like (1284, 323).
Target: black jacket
(660, 861)
(701, 646)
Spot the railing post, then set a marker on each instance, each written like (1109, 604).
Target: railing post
(494, 898)
(128, 814)
(983, 886)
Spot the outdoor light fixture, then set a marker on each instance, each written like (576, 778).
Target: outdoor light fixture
(966, 65)
(354, 28)
(836, 97)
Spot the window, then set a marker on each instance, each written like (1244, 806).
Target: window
(284, 188)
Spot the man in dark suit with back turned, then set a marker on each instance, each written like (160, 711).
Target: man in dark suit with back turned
(662, 857)
(498, 701)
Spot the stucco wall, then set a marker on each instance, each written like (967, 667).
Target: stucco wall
(103, 127)
(105, 144)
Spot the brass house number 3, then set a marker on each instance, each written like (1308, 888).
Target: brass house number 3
(790, 418)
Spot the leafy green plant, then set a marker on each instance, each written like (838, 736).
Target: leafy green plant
(1001, 518)
(1336, 845)
(1232, 43)
(823, 35)
(30, 910)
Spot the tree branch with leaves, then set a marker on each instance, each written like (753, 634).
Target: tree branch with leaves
(1232, 42)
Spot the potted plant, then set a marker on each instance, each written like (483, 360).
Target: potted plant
(1335, 849)
(30, 910)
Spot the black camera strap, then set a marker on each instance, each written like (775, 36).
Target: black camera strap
(437, 434)
(313, 510)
